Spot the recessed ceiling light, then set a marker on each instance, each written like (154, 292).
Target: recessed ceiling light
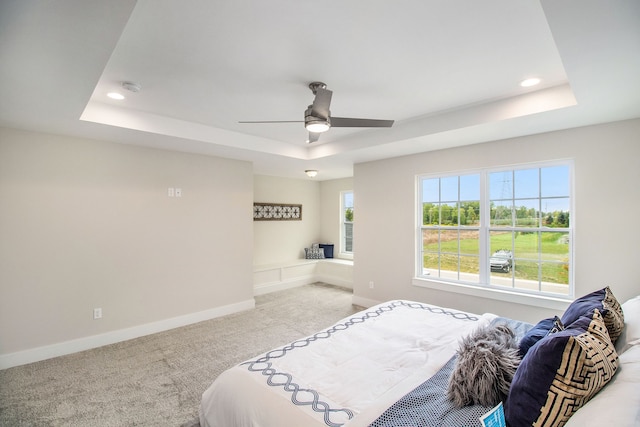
(115, 95)
(530, 82)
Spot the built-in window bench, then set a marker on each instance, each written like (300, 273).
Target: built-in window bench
(285, 275)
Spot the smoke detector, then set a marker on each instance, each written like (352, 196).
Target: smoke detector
(131, 87)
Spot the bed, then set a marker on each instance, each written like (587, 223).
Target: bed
(390, 365)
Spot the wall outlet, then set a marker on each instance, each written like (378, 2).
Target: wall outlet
(178, 192)
(97, 313)
(371, 284)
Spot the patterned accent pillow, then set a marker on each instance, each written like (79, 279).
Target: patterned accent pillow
(557, 326)
(561, 373)
(314, 253)
(617, 404)
(606, 303)
(542, 329)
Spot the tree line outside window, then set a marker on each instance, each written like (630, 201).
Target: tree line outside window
(468, 213)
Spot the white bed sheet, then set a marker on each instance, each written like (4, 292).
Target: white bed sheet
(348, 374)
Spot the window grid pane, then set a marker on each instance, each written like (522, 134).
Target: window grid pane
(450, 228)
(347, 218)
(528, 235)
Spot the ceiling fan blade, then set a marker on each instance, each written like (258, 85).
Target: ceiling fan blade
(313, 137)
(320, 107)
(274, 121)
(348, 122)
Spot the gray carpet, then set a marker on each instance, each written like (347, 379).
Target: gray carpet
(157, 380)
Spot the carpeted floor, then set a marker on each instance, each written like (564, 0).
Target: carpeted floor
(157, 380)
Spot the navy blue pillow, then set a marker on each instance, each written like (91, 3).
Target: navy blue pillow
(328, 249)
(607, 305)
(561, 373)
(539, 331)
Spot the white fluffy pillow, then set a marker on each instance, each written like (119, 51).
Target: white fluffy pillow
(631, 332)
(618, 403)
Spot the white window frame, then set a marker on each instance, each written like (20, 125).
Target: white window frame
(484, 289)
(343, 238)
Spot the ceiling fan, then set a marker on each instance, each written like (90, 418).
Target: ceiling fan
(318, 119)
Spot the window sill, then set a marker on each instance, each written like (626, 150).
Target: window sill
(554, 303)
(337, 261)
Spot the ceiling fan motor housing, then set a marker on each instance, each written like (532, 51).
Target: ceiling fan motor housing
(311, 120)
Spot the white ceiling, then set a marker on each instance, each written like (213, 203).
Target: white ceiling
(446, 72)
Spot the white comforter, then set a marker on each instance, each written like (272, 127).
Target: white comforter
(345, 375)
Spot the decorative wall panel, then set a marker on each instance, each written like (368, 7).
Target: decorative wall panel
(276, 212)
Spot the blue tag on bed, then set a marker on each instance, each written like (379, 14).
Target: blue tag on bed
(494, 418)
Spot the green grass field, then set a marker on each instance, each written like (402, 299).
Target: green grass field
(545, 258)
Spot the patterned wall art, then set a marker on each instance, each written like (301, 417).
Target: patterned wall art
(276, 212)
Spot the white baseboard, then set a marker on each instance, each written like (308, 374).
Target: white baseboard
(364, 302)
(87, 343)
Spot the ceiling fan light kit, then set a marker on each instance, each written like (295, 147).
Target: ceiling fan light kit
(317, 117)
(317, 126)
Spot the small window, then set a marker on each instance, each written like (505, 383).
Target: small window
(499, 228)
(346, 222)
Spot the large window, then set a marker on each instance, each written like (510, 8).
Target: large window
(346, 222)
(505, 229)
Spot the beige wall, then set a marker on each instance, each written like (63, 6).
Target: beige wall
(87, 224)
(279, 245)
(284, 241)
(277, 242)
(607, 203)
